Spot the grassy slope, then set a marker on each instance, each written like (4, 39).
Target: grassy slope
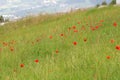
(85, 61)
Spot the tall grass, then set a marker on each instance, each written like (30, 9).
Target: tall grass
(50, 38)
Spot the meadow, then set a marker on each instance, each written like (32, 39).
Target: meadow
(79, 45)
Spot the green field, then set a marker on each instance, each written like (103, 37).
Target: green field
(80, 45)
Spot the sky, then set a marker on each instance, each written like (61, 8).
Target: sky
(34, 6)
(32, 3)
(16, 3)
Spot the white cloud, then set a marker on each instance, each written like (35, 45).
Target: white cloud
(13, 1)
(49, 1)
(12, 6)
(63, 5)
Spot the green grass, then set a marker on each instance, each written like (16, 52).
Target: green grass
(29, 37)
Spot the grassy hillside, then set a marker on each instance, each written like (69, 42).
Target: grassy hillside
(81, 45)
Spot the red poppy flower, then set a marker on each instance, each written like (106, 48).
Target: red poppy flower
(11, 49)
(101, 20)
(85, 39)
(50, 37)
(97, 27)
(108, 57)
(0, 49)
(61, 34)
(56, 51)
(36, 60)
(114, 24)
(5, 44)
(75, 43)
(78, 22)
(92, 28)
(74, 27)
(75, 30)
(37, 40)
(118, 47)
(21, 65)
(112, 41)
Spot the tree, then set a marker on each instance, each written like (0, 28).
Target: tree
(98, 5)
(1, 19)
(113, 2)
(104, 3)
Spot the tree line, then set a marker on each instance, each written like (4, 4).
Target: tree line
(113, 2)
(2, 19)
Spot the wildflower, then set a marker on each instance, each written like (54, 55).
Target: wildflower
(75, 30)
(11, 49)
(21, 65)
(92, 28)
(37, 40)
(5, 44)
(50, 37)
(97, 27)
(74, 27)
(36, 60)
(85, 39)
(56, 51)
(108, 57)
(112, 41)
(61, 34)
(75, 43)
(101, 20)
(78, 22)
(118, 47)
(114, 24)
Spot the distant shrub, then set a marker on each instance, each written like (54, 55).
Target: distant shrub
(1, 19)
(104, 3)
(113, 2)
(98, 5)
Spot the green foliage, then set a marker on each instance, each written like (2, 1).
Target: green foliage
(113, 2)
(1, 19)
(97, 5)
(104, 3)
